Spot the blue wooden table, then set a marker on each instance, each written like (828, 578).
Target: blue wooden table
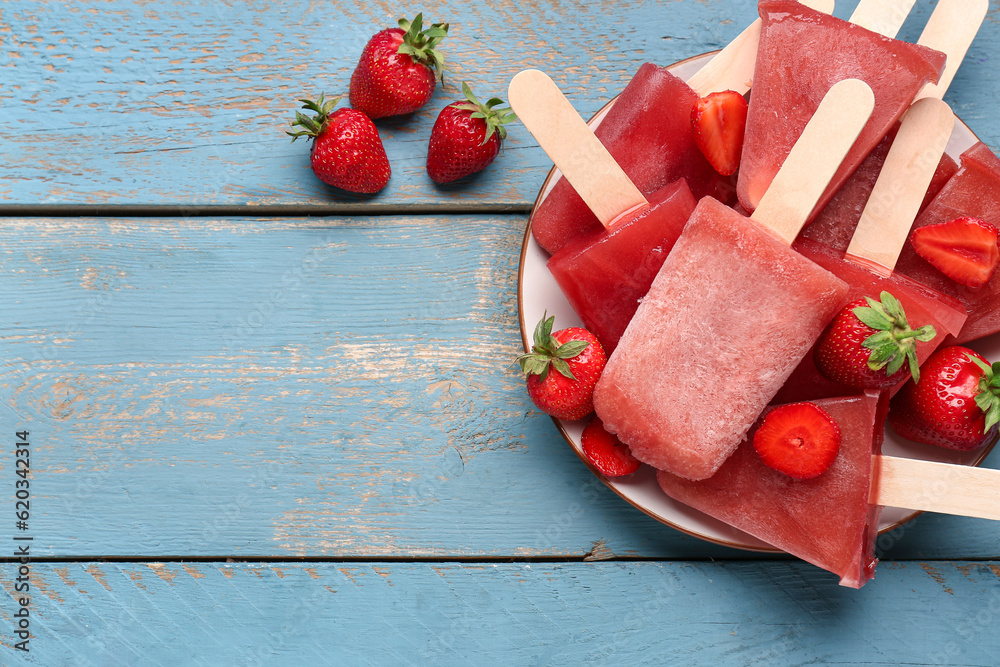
(272, 423)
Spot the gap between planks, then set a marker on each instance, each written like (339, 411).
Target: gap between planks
(751, 556)
(255, 211)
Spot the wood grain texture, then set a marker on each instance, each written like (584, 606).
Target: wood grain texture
(184, 104)
(302, 387)
(453, 614)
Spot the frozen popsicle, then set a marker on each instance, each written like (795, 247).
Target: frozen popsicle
(950, 29)
(973, 191)
(800, 54)
(826, 520)
(605, 273)
(648, 132)
(832, 520)
(867, 266)
(731, 312)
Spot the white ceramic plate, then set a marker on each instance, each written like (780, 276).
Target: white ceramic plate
(538, 293)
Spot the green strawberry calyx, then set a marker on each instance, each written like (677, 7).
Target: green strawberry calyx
(421, 44)
(495, 118)
(894, 341)
(988, 397)
(548, 352)
(313, 125)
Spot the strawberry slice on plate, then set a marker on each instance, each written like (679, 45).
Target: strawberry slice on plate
(608, 454)
(798, 439)
(964, 249)
(719, 121)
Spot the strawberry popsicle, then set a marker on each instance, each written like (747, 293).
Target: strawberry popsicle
(827, 520)
(950, 29)
(731, 312)
(973, 191)
(604, 273)
(801, 53)
(867, 265)
(835, 224)
(648, 132)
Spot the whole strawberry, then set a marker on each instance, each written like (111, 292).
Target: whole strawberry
(562, 369)
(466, 137)
(399, 69)
(868, 343)
(347, 151)
(956, 403)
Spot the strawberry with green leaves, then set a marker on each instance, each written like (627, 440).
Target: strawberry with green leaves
(956, 403)
(562, 369)
(870, 345)
(347, 151)
(398, 69)
(467, 137)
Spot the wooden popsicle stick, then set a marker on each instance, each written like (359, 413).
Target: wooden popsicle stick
(937, 487)
(732, 67)
(950, 29)
(572, 146)
(885, 17)
(916, 151)
(906, 174)
(814, 158)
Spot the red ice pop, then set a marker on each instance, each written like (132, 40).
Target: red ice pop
(826, 520)
(731, 312)
(648, 132)
(801, 53)
(868, 263)
(831, 520)
(604, 273)
(973, 191)
(950, 29)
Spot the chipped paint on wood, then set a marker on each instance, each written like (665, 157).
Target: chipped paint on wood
(779, 612)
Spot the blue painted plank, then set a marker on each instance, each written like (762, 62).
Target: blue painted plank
(303, 387)
(942, 613)
(184, 103)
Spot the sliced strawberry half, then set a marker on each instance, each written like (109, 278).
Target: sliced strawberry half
(719, 121)
(798, 439)
(964, 249)
(609, 454)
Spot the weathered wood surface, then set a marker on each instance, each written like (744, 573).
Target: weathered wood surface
(336, 390)
(940, 613)
(335, 387)
(184, 104)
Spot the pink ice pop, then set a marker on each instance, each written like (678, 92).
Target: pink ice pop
(828, 520)
(801, 53)
(731, 312)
